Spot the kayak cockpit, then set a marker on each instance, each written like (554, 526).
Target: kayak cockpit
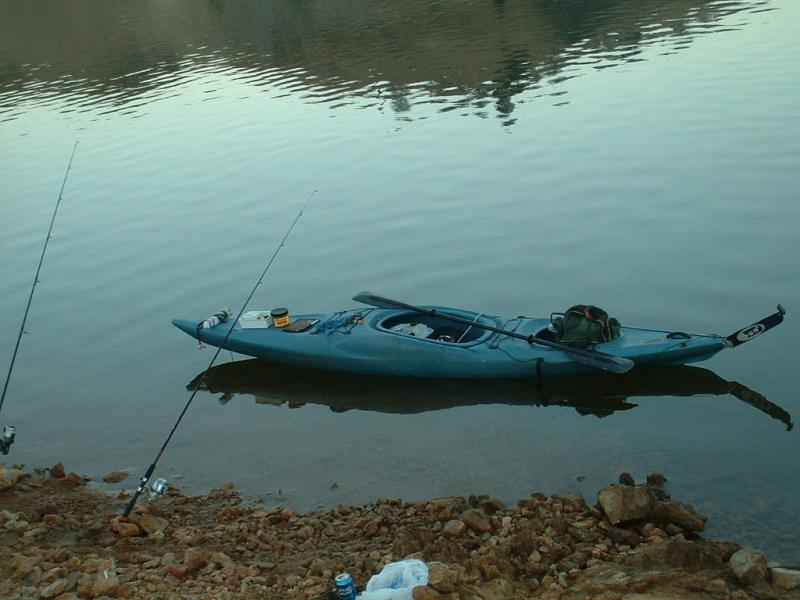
(437, 328)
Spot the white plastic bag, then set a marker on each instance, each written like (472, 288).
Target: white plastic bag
(396, 581)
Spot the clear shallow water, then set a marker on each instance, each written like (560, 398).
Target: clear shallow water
(517, 157)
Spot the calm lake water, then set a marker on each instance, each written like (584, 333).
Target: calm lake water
(511, 157)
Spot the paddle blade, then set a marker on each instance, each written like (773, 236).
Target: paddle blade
(375, 300)
(745, 334)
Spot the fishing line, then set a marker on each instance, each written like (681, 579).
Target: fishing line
(146, 477)
(8, 437)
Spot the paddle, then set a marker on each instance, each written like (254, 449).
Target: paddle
(591, 358)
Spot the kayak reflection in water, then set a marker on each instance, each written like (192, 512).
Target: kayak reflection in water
(599, 395)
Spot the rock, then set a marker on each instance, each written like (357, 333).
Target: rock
(423, 592)
(788, 579)
(454, 528)
(749, 566)
(476, 520)
(690, 556)
(105, 586)
(287, 514)
(23, 565)
(682, 515)
(405, 543)
(115, 476)
(492, 505)
(623, 536)
(151, 524)
(224, 561)
(57, 471)
(126, 529)
(194, 558)
(656, 480)
(622, 503)
(626, 479)
(176, 570)
(74, 480)
(497, 589)
(442, 578)
(53, 589)
(9, 477)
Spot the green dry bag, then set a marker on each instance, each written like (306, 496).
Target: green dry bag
(583, 324)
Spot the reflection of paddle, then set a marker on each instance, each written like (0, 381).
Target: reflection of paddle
(598, 360)
(753, 398)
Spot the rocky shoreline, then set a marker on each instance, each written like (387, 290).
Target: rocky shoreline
(62, 539)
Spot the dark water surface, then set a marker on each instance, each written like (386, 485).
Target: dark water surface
(510, 157)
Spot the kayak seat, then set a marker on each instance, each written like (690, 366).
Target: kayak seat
(446, 334)
(432, 327)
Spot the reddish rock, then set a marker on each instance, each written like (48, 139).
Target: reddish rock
(423, 592)
(442, 577)
(151, 524)
(454, 528)
(476, 520)
(176, 570)
(126, 529)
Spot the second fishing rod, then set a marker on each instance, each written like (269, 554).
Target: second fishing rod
(146, 477)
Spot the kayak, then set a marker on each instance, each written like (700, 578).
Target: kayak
(598, 395)
(396, 339)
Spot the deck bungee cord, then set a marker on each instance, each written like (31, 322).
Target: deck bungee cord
(162, 484)
(9, 431)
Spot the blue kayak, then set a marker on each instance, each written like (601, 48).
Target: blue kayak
(408, 343)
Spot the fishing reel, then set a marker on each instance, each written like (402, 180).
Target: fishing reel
(9, 434)
(157, 489)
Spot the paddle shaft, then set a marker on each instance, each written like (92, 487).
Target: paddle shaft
(598, 359)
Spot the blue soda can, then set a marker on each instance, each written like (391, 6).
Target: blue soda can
(345, 587)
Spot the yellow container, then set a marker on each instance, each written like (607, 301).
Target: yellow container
(280, 317)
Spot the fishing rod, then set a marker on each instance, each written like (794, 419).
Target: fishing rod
(149, 472)
(9, 431)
